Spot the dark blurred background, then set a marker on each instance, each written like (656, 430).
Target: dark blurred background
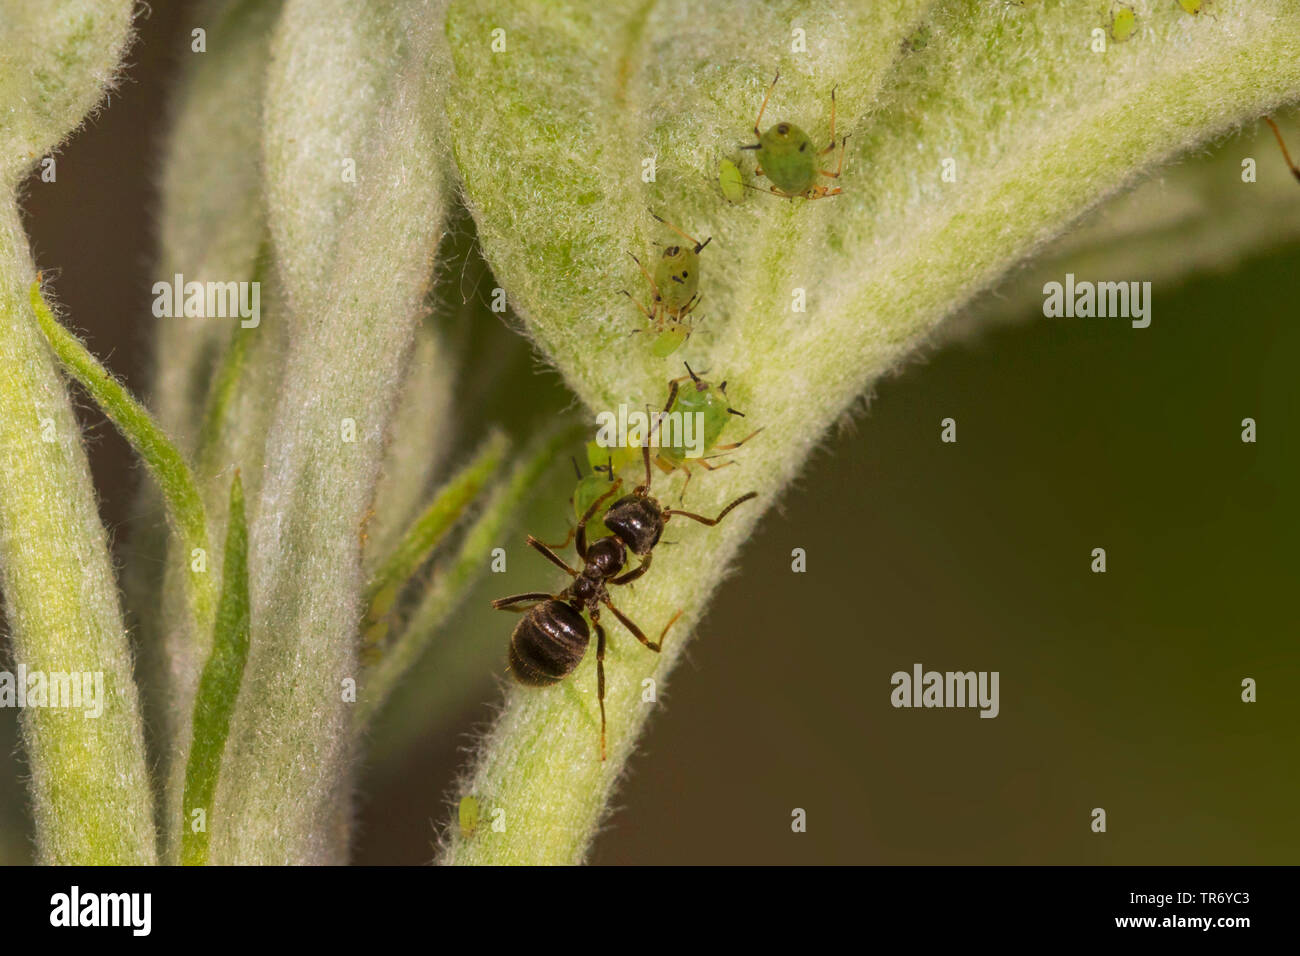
(1119, 690)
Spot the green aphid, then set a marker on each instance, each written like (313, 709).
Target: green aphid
(1194, 7)
(467, 816)
(786, 156)
(591, 487)
(679, 439)
(674, 289)
(918, 41)
(731, 182)
(670, 340)
(1123, 22)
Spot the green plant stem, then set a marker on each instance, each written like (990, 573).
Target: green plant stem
(432, 524)
(218, 686)
(88, 778)
(163, 459)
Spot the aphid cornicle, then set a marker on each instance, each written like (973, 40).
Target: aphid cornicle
(786, 156)
(551, 639)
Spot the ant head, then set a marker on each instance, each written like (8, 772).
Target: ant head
(637, 520)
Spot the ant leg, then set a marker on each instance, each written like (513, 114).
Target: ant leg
(641, 489)
(832, 145)
(587, 516)
(551, 556)
(691, 239)
(1285, 155)
(635, 573)
(600, 677)
(623, 619)
(535, 597)
(711, 521)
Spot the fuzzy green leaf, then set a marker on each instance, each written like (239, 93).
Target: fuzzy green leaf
(360, 83)
(56, 59)
(552, 135)
(89, 782)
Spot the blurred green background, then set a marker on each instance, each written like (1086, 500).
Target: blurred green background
(1120, 690)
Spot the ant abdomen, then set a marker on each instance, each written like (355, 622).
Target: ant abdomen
(547, 644)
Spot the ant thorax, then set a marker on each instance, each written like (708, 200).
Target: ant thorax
(605, 558)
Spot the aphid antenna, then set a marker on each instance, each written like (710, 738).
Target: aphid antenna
(699, 246)
(1285, 153)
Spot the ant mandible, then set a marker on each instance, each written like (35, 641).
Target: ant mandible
(551, 639)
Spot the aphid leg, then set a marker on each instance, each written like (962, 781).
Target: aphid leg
(600, 676)
(688, 307)
(832, 145)
(710, 521)
(635, 573)
(839, 167)
(587, 516)
(563, 544)
(821, 192)
(648, 278)
(757, 133)
(704, 463)
(691, 239)
(644, 311)
(681, 497)
(1285, 155)
(736, 444)
(532, 597)
(551, 556)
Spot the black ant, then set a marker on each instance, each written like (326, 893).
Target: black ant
(552, 638)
